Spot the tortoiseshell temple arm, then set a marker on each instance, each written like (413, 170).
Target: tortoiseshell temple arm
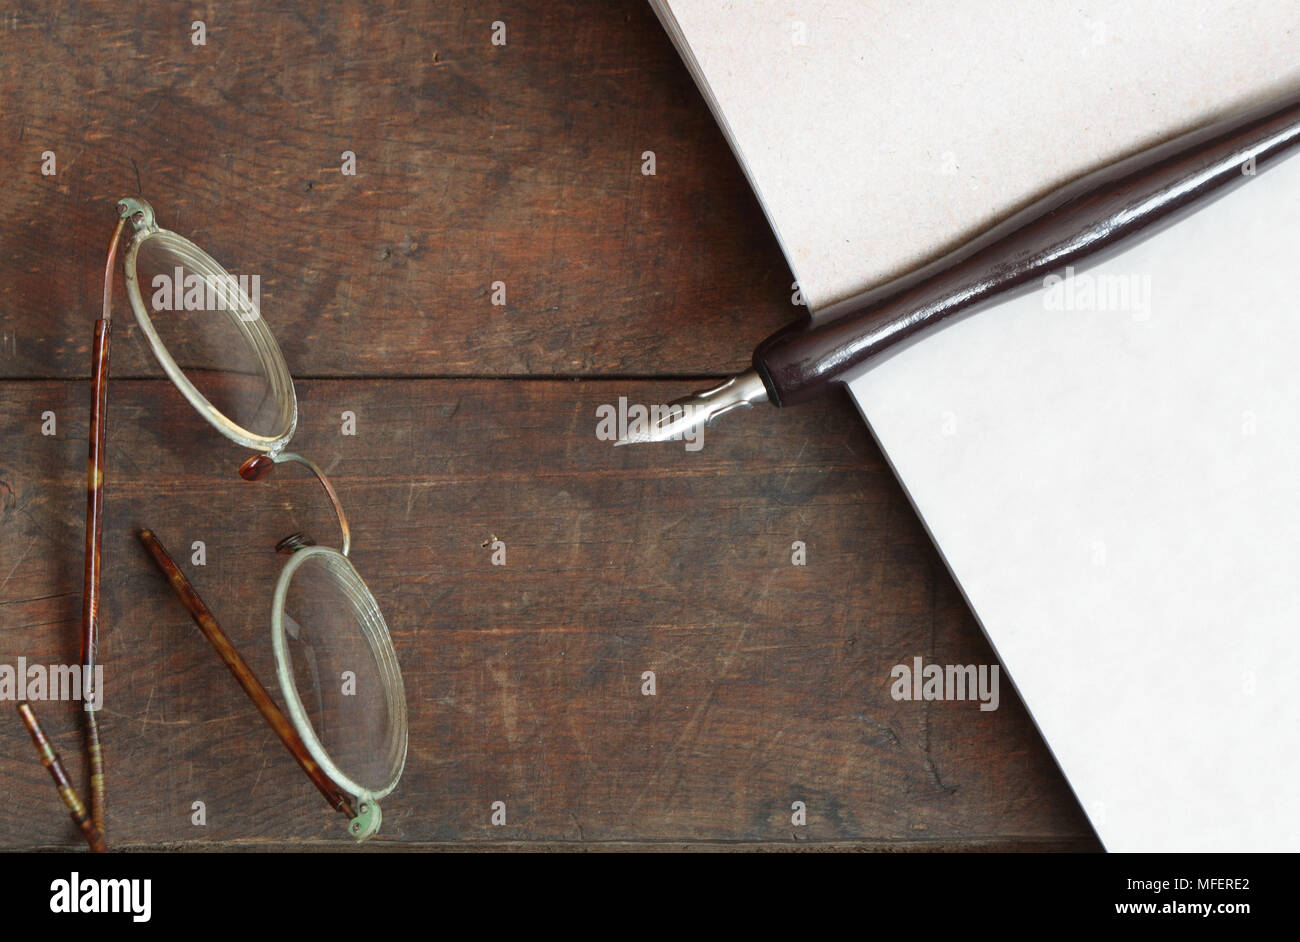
(95, 493)
(90, 596)
(244, 675)
(50, 759)
(95, 462)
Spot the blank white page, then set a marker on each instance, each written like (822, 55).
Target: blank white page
(1118, 495)
(1113, 490)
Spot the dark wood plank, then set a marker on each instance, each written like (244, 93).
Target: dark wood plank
(475, 163)
(523, 680)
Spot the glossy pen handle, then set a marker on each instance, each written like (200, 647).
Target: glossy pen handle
(1077, 225)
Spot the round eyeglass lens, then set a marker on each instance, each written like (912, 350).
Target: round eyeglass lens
(208, 322)
(344, 669)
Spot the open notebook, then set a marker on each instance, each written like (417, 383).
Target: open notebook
(1110, 467)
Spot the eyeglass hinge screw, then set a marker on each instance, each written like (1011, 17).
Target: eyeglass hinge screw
(138, 211)
(366, 824)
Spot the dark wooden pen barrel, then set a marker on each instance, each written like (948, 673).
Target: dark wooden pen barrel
(1077, 225)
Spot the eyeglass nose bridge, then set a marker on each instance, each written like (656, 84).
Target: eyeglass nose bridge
(259, 466)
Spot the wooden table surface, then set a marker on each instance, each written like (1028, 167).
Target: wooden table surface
(475, 163)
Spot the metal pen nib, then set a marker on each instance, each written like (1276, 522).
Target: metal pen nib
(702, 408)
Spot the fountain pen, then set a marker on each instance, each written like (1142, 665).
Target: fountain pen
(1077, 225)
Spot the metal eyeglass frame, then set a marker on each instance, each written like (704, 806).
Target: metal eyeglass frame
(245, 316)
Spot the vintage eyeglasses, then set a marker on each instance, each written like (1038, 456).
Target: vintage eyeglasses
(335, 662)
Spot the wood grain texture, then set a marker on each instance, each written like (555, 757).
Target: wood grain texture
(475, 164)
(522, 680)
